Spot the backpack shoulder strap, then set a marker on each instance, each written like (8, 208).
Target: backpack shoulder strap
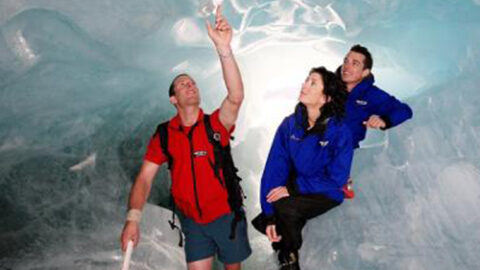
(223, 159)
(213, 136)
(162, 130)
(214, 139)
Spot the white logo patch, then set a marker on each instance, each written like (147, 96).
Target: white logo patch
(323, 143)
(361, 102)
(200, 153)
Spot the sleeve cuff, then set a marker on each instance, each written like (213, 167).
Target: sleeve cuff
(261, 221)
(388, 123)
(270, 220)
(292, 189)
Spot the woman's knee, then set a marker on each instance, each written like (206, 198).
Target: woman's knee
(284, 206)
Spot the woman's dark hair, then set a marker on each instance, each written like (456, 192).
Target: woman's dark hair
(336, 94)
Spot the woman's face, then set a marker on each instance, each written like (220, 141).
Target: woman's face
(312, 91)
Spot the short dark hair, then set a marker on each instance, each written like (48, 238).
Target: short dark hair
(368, 63)
(171, 89)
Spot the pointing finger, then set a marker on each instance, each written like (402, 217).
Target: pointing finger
(209, 27)
(218, 13)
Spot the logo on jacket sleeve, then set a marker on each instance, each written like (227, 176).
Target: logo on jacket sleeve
(295, 138)
(323, 143)
(361, 102)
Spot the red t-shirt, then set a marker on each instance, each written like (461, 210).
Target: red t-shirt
(197, 192)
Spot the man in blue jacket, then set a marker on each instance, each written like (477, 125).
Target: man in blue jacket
(367, 105)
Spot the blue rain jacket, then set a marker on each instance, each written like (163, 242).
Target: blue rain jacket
(321, 163)
(366, 100)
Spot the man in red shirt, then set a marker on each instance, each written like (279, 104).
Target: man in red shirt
(198, 191)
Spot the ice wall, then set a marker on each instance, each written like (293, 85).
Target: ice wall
(83, 85)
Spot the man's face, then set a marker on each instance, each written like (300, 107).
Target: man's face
(312, 91)
(353, 68)
(186, 92)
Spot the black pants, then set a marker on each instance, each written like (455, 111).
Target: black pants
(291, 215)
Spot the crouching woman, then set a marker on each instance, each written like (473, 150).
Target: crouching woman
(308, 164)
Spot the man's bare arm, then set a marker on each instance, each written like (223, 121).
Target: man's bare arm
(142, 186)
(138, 196)
(221, 36)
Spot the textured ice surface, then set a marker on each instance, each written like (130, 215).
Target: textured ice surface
(83, 85)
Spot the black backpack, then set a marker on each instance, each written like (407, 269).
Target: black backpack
(224, 161)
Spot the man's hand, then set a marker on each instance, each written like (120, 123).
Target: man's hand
(271, 233)
(131, 231)
(277, 193)
(375, 122)
(221, 35)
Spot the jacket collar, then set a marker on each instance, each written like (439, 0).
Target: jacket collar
(300, 117)
(363, 85)
(176, 122)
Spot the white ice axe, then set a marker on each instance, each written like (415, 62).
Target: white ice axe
(128, 255)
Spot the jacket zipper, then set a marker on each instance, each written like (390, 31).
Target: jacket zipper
(190, 136)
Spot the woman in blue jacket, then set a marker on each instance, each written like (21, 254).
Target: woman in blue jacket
(308, 164)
